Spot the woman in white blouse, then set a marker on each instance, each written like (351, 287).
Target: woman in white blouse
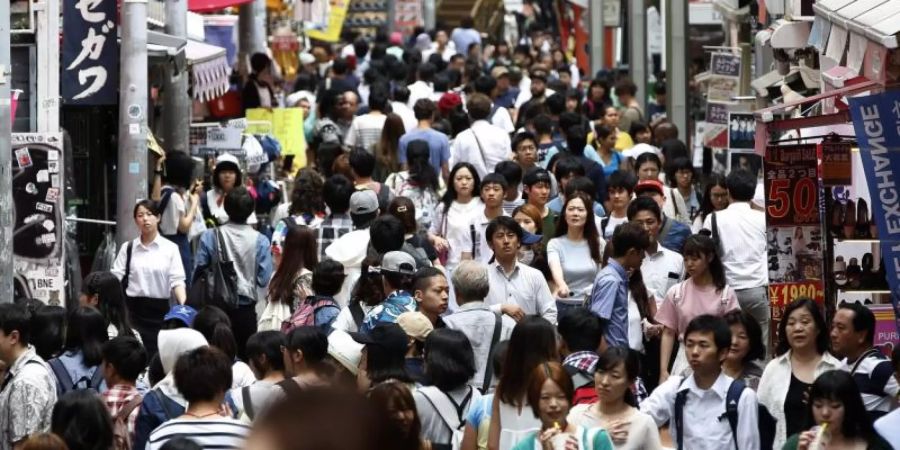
(802, 356)
(151, 272)
(449, 231)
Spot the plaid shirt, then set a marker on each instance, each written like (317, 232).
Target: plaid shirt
(333, 227)
(116, 398)
(584, 361)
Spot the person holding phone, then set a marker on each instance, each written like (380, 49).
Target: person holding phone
(178, 200)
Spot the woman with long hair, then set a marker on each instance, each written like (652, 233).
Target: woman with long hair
(596, 100)
(532, 343)
(681, 176)
(746, 348)
(703, 292)
(215, 326)
(307, 208)
(714, 198)
(78, 367)
(836, 405)
(103, 291)
(802, 356)
(449, 232)
(420, 183)
(396, 404)
(387, 148)
(48, 334)
(81, 419)
(574, 254)
(292, 281)
(550, 393)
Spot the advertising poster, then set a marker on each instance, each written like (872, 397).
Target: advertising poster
(836, 163)
(886, 337)
(741, 130)
(90, 53)
(793, 226)
(724, 84)
(287, 127)
(38, 248)
(715, 134)
(337, 12)
(876, 120)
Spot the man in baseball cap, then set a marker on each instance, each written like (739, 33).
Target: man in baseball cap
(397, 270)
(384, 352)
(417, 328)
(351, 248)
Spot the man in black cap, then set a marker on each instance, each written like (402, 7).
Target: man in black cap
(383, 357)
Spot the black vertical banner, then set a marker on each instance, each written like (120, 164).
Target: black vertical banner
(90, 53)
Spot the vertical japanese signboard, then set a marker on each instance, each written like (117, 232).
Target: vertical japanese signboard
(38, 250)
(836, 164)
(90, 53)
(723, 85)
(876, 120)
(793, 227)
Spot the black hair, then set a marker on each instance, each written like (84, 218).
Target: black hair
(50, 323)
(306, 195)
(644, 204)
(259, 62)
(494, 178)
(215, 326)
(637, 127)
(699, 245)
(86, 331)
(239, 205)
(645, 158)
(629, 236)
(326, 154)
(583, 185)
(421, 279)
(151, 206)
(533, 342)
(754, 334)
(678, 164)
(362, 162)
(503, 222)
(418, 159)
(181, 443)
(568, 165)
(556, 103)
(110, 300)
(863, 319)
(179, 169)
(568, 120)
(621, 179)
(612, 357)
(81, 419)
(339, 66)
(510, 171)
(207, 363)
(522, 137)
(268, 344)
(336, 192)
(223, 166)
(582, 330)
(378, 99)
(15, 317)
(449, 359)
(479, 106)
(384, 363)
(328, 277)
(426, 72)
(360, 48)
(485, 85)
(708, 323)
(821, 339)
(839, 386)
(542, 124)
(627, 87)
(714, 179)
(590, 232)
(674, 148)
(576, 139)
(126, 355)
(450, 194)
(741, 185)
(424, 109)
(387, 234)
(309, 340)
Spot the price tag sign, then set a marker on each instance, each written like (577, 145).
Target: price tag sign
(791, 185)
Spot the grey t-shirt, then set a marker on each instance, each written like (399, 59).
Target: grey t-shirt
(579, 270)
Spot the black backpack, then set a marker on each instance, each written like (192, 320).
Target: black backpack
(766, 423)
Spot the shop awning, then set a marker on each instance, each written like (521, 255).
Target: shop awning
(213, 5)
(854, 22)
(209, 70)
(161, 45)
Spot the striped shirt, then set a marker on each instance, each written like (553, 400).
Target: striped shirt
(210, 434)
(874, 376)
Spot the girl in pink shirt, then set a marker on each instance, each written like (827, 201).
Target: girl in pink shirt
(704, 292)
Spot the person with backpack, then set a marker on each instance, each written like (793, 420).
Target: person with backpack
(292, 282)
(124, 359)
(419, 183)
(216, 327)
(319, 309)
(443, 405)
(304, 353)
(362, 167)
(703, 292)
(582, 337)
(307, 208)
(706, 409)
(178, 195)
(78, 367)
(226, 177)
(264, 354)
(248, 253)
(416, 239)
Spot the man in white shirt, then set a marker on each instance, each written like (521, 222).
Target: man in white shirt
(423, 87)
(483, 145)
(499, 116)
(741, 234)
(400, 108)
(365, 130)
(493, 188)
(517, 290)
(662, 268)
(695, 405)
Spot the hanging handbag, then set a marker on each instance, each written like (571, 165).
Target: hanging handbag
(216, 283)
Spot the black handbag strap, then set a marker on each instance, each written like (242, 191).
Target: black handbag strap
(489, 367)
(127, 276)
(248, 402)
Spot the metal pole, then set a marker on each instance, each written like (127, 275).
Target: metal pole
(637, 44)
(131, 171)
(6, 199)
(252, 23)
(597, 35)
(176, 101)
(47, 39)
(428, 7)
(677, 66)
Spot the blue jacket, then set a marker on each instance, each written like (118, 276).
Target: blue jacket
(155, 409)
(675, 237)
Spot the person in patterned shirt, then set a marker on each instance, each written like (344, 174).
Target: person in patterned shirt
(397, 270)
(336, 193)
(124, 358)
(28, 391)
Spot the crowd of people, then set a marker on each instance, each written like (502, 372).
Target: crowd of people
(484, 252)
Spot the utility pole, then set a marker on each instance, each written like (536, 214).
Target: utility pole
(252, 23)
(595, 12)
(131, 171)
(676, 18)
(6, 199)
(637, 49)
(176, 100)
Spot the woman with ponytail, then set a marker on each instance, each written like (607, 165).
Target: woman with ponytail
(420, 183)
(103, 291)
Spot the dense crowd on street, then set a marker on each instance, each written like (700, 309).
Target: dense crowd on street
(487, 249)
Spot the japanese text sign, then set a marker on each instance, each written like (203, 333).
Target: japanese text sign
(791, 185)
(287, 127)
(90, 53)
(836, 164)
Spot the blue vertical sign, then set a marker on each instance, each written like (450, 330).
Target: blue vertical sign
(90, 53)
(876, 120)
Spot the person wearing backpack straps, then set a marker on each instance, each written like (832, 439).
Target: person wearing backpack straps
(304, 352)
(707, 409)
(78, 366)
(443, 406)
(124, 359)
(550, 391)
(267, 362)
(179, 202)
(704, 292)
(151, 273)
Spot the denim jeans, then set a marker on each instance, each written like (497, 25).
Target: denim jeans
(755, 301)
